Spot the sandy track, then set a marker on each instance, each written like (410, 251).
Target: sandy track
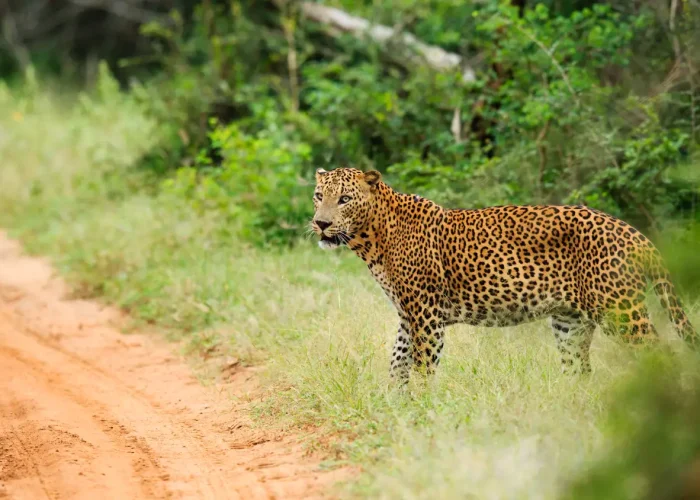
(88, 412)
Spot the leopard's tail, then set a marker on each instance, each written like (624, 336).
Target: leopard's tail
(660, 281)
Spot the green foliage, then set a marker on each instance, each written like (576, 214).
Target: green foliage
(251, 98)
(554, 138)
(641, 176)
(654, 449)
(202, 76)
(542, 123)
(257, 186)
(679, 245)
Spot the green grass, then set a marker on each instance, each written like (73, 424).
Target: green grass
(499, 420)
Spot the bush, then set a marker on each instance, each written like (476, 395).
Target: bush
(655, 441)
(258, 185)
(552, 136)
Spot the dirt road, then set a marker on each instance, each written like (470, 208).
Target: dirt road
(89, 412)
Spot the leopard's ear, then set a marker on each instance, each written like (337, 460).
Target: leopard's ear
(320, 173)
(372, 177)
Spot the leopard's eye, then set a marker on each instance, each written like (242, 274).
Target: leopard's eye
(318, 196)
(344, 199)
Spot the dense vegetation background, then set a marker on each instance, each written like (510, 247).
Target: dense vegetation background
(567, 101)
(590, 102)
(200, 123)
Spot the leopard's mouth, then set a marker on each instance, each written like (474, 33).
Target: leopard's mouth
(333, 241)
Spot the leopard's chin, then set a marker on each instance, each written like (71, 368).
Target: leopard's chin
(331, 242)
(327, 245)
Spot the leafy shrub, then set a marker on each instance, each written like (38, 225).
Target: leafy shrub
(554, 136)
(655, 441)
(207, 67)
(258, 185)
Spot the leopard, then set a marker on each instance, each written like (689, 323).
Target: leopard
(499, 266)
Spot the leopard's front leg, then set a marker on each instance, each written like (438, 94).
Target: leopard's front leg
(421, 334)
(401, 355)
(420, 338)
(427, 339)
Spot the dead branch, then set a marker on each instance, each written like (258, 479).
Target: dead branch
(129, 11)
(415, 51)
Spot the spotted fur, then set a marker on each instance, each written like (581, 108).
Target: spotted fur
(496, 266)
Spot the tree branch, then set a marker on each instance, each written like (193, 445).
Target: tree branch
(417, 52)
(122, 8)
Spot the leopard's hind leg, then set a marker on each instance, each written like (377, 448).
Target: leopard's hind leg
(574, 335)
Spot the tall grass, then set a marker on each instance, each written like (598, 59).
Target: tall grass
(498, 421)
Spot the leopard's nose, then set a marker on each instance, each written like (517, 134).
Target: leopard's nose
(323, 225)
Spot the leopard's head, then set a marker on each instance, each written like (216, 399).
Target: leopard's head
(343, 201)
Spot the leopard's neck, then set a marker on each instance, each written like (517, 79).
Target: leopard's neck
(369, 242)
(390, 211)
